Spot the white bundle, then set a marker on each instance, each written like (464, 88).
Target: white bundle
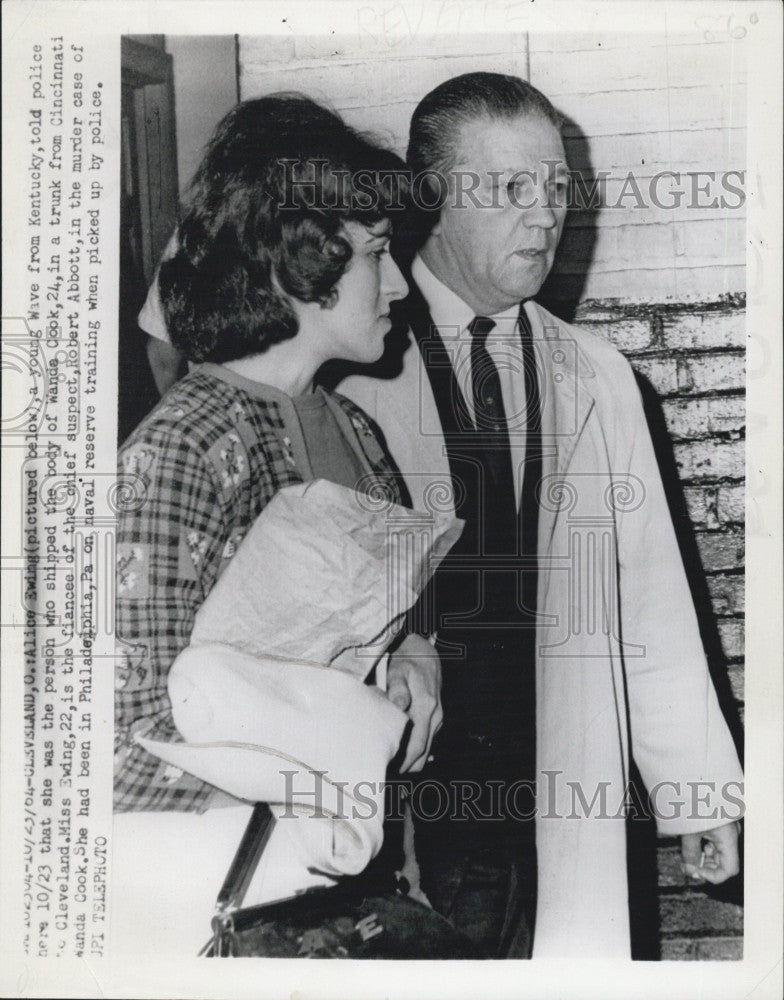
(322, 579)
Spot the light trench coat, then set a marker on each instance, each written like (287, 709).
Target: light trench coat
(620, 664)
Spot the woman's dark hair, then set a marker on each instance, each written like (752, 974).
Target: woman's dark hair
(262, 221)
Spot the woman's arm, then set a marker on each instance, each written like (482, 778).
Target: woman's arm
(171, 532)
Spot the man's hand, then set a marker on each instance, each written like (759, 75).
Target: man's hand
(718, 860)
(414, 685)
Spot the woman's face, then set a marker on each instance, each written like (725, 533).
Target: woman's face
(354, 326)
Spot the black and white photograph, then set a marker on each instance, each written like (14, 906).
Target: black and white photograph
(395, 439)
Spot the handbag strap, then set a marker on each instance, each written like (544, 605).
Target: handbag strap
(246, 860)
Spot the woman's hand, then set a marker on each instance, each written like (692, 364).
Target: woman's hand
(414, 685)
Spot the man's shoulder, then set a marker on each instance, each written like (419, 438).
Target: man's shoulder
(595, 357)
(593, 345)
(596, 354)
(378, 387)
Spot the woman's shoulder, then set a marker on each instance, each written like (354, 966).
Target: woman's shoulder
(182, 415)
(369, 435)
(196, 412)
(209, 431)
(359, 418)
(367, 430)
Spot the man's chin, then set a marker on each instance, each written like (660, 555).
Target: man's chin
(526, 290)
(529, 278)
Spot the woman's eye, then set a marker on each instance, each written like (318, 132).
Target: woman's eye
(378, 254)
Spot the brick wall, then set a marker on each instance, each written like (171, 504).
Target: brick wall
(692, 358)
(690, 363)
(666, 286)
(648, 104)
(373, 79)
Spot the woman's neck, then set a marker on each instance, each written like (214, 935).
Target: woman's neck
(282, 365)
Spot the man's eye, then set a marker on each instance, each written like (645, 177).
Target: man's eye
(518, 189)
(378, 254)
(559, 191)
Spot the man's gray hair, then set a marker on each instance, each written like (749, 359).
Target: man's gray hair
(439, 117)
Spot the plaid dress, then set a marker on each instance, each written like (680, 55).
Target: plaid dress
(195, 475)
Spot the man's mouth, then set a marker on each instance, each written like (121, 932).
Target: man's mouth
(532, 254)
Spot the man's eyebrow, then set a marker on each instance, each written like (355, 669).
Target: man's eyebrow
(497, 175)
(505, 177)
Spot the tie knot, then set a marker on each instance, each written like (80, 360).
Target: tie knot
(480, 326)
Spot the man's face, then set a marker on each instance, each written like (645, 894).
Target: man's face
(495, 241)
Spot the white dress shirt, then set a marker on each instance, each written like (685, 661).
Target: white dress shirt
(452, 317)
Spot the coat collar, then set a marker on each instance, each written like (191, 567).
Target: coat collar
(564, 378)
(405, 407)
(564, 381)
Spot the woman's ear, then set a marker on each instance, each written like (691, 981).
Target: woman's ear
(329, 300)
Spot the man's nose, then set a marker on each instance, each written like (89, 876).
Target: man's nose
(541, 214)
(543, 211)
(393, 284)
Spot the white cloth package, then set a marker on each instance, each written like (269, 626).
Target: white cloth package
(270, 696)
(283, 733)
(325, 575)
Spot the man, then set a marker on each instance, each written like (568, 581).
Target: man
(583, 467)
(557, 665)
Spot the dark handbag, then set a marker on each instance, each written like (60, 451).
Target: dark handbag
(350, 920)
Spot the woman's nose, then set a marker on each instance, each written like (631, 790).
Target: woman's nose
(394, 285)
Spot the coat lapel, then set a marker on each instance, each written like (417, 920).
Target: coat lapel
(566, 406)
(566, 400)
(441, 404)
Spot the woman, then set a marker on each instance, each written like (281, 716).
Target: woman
(282, 264)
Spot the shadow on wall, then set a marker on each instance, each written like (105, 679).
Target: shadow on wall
(562, 292)
(642, 840)
(695, 572)
(562, 295)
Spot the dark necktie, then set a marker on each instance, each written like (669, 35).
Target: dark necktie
(498, 503)
(486, 642)
(485, 384)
